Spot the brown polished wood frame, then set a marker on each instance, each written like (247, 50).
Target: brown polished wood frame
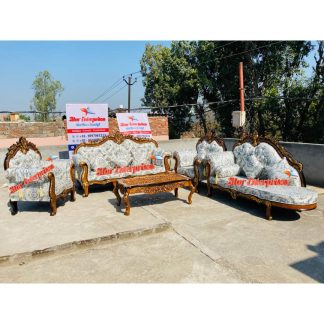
(171, 181)
(209, 138)
(254, 139)
(117, 138)
(24, 146)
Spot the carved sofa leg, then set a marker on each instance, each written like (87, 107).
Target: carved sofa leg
(85, 187)
(72, 174)
(53, 206)
(13, 207)
(176, 194)
(115, 191)
(268, 212)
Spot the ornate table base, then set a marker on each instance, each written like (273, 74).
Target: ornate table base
(152, 184)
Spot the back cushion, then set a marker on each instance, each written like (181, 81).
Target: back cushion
(28, 160)
(205, 150)
(266, 154)
(246, 159)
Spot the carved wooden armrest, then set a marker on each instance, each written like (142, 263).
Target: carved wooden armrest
(166, 162)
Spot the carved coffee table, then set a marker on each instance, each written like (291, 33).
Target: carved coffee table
(151, 184)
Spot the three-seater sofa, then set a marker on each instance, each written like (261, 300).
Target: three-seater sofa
(260, 169)
(117, 156)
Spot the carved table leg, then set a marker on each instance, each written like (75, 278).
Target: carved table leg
(13, 207)
(192, 190)
(127, 204)
(268, 212)
(53, 206)
(115, 191)
(176, 192)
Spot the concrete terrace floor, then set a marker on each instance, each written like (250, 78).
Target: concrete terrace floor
(163, 240)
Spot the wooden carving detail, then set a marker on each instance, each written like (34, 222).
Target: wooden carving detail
(21, 145)
(210, 137)
(254, 139)
(118, 138)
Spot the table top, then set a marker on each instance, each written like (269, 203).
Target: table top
(153, 179)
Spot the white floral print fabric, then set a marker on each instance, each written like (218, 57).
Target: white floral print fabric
(185, 157)
(27, 165)
(283, 194)
(112, 156)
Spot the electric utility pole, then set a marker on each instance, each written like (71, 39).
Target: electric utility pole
(129, 83)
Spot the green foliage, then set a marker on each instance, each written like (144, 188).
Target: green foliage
(170, 79)
(207, 71)
(24, 117)
(46, 92)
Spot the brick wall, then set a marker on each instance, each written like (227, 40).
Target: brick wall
(159, 127)
(31, 129)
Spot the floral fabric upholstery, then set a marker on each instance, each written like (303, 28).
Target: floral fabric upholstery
(186, 158)
(110, 155)
(23, 166)
(205, 150)
(246, 159)
(283, 194)
(264, 162)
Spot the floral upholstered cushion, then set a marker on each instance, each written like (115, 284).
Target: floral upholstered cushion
(205, 150)
(282, 170)
(30, 159)
(187, 171)
(117, 175)
(283, 194)
(225, 171)
(266, 154)
(185, 157)
(246, 159)
(38, 189)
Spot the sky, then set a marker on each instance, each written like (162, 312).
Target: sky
(85, 69)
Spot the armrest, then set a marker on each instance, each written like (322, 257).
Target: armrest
(79, 159)
(164, 156)
(223, 166)
(184, 158)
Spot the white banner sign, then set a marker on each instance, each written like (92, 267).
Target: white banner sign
(136, 124)
(85, 122)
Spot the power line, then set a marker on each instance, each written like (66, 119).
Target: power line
(229, 101)
(109, 89)
(114, 93)
(244, 52)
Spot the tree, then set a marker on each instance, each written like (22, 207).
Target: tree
(170, 80)
(46, 92)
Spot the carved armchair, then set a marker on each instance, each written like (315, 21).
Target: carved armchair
(32, 179)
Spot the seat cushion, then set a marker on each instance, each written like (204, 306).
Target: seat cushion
(93, 175)
(187, 171)
(290, 195)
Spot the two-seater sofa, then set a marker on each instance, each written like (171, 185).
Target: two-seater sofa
(260, 169)
(189, 162)
(117, 156)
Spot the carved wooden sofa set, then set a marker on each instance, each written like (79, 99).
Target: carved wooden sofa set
(258, 168)
(105, 161)
(240, 172)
